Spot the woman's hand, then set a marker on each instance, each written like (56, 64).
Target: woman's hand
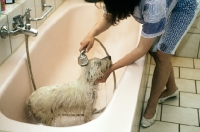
(87, 43)
(106, 75)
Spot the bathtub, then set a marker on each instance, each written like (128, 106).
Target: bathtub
(54, 54)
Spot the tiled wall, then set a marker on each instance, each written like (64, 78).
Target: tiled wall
(190, 45)
(10, 44)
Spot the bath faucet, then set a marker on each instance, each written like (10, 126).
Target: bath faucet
(21, 26)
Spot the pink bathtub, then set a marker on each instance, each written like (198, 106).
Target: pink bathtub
(54, 55)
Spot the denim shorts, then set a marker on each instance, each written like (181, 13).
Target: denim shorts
(180, 21)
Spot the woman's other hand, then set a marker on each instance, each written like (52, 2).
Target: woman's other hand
(104, 78)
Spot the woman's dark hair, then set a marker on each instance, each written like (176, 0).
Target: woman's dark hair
(120, 9)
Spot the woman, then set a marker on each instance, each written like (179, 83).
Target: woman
(165, 22)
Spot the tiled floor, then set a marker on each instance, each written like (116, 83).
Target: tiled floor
(180, 114)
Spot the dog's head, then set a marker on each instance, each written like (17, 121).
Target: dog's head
(96, 68)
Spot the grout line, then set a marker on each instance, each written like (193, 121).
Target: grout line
(161, 108)
(195, 85)
(179, 99)
(181, 106)
(198, 116)
(178, 123)
(193, 63)
(198, 50)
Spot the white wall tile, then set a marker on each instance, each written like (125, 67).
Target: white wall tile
(16, 10)
(39, 12)
(58, 3)
(52, 3)
(30, 4)
(5, 49)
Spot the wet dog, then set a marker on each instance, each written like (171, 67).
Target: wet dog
(76, 97)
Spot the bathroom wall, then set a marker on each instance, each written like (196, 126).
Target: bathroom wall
(190, 44)
(10, 44)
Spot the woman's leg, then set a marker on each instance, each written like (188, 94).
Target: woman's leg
(171, 85)
(163, 75)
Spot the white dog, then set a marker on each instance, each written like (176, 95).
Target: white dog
(77, 97)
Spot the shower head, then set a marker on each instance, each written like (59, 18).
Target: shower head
(82, 59)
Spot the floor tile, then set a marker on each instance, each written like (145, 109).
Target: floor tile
(189, 100)
(198, 86)
(147, 94)
(161, 127)
(180, 115)
(183, 84)
(176, 71)
(182, 62)
(197, 63)
(187, 73)
(152, 67)
(199, 117)
(149, 81)
(184, 128)
(186, 85)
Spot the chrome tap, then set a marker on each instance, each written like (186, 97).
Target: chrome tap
(23, 27)
(19, 27)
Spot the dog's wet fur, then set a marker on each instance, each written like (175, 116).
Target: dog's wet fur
(76, 97)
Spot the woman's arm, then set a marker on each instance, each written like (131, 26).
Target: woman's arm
(143, 47)
(102, 25)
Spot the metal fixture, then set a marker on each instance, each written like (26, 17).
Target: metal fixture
(82, 59)
(23, 27)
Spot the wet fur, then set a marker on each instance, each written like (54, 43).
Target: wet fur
(76, 97)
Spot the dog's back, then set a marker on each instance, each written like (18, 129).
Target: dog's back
(48, 102)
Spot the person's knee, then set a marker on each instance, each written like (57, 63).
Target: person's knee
(162, 57)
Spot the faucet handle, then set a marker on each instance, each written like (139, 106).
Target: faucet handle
(27, 11)
(18, 21)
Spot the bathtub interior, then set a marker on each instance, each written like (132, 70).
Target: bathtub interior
(54, 55)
